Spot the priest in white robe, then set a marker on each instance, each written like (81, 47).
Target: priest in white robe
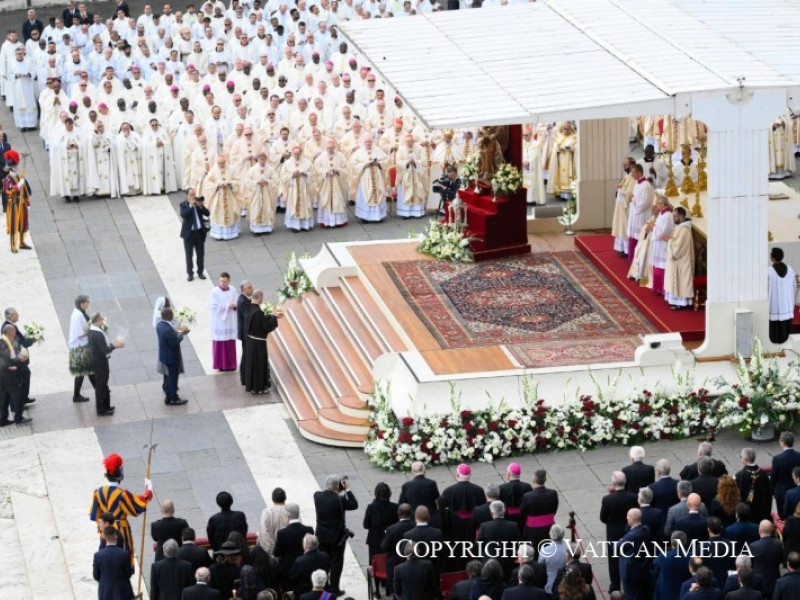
(619, 222)
(562, 170)
(182, 136)
(654, 169)
(128, 146)
(639, 209)
(412, 186)
(533, 168)
(781, 291)
(368, 171)
(297, 190)
(203, 156)
(223, 325)
(259, 191)
(662, 230)
(72, 164)
(105, 155)
(158, 164)
(23, 74)
(679, 272)
(330, 170)
(221, 190)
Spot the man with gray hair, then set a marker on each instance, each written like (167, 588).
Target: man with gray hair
(638, 474)
(705, 483)
(483, 514)
(170, 575)
(498, 537)
(614, 513)
(318, 580)
(419, 490)
(652, 517)
(289, 541)
(754, 487)
(690, 472)
(331, 506)
(553, 554)
(201, 590)
(671, 567)
(11, 317)
(242, 302)
(312, 559)
(665, 488)
(10, 389)
(681, 509)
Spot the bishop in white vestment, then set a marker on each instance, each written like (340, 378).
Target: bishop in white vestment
(259, 191)
(639, 208)
(330, 169)
(662, 229)
(368, 170)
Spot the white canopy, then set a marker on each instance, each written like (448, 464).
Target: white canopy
(556, 59)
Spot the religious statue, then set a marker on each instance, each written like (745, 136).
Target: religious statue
(781, 149)
(562, 161)
(491, 151)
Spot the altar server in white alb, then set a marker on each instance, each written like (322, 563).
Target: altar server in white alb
(662, 229)
(781, 288)
(639, 208)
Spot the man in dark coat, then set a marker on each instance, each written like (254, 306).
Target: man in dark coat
(497, 535)
(20, 342)
(767, 555)
(415, 578)
(194, 230)
(525, 588)
(792, 496)
(423, 531)
(665, 488)
(170, 575)
(395, 533)
(634, 564)
(671, 568)
(242, 302)
(537, 511)
(614, 514)
(704, 587)
(706, 482)
(10, 389)
(420, 490)
(169, 355)
(690, 472)
(754, 487)
(745, 591)
(312, 559)
(693, 524)
(100, 350)
(461, 589)
(781, 476)
(257, 326)
(651, 516)
(112, 569)
(226, 520)
(168, 527)
(331, 505)
(289, 541)
(743, 531)
(788, 586)
(638, 474)
(30, 24)
(191, 552)
(511, 493)
(201, 590)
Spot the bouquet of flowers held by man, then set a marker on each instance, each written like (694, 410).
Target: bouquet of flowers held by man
(268, 308)
(507, 180)
(34, 331)
(185, 315)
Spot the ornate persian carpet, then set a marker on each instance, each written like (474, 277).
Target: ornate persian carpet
(551, 308)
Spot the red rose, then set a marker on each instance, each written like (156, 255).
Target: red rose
(467, 426)
(512, 423)
(481, 431)
(466, 414)
(493, 426)
(408, 421)
(443, 423)
(744, 401)
(404, 438)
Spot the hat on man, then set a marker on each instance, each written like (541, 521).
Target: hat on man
(464, 470)
(515, 469)
(12, 157)
(113, 465)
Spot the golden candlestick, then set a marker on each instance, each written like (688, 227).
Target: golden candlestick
(769, 236)
(685, 202)
(671, 190)
(687, 186)
(697, 210)
(702, 176)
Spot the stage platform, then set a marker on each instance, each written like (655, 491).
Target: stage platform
(599, 248)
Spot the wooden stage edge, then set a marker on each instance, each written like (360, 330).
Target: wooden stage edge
(370, 259)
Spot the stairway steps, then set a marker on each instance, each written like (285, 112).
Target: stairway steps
(357, 330)
(290, 388)
(302, 364)
(361, 298)
(317, 432)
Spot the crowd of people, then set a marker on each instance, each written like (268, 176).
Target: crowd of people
(707, 535)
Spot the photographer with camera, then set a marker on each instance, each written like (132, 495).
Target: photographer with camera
(331, 505)
(194, 229)
(447, 187)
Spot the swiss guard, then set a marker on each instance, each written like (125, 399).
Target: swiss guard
(119, 502)
(17, 194)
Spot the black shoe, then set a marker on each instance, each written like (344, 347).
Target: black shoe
(176, 402)
(190, 277)
(68, 199)
(30, 400)
(5, 423)
(22, 420)
(76, 199)
(77, 399)
(106, 413)
(201, 276)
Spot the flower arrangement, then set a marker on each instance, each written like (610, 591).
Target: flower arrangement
(296, 282)
(507, 180)
(469, 168)
(185, 315)
(763, 394)
(34, 331)
(447, 242)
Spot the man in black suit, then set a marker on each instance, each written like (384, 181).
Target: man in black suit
(242, 303)
(704, 586)
(100, 350)
(788, 586)
(718, 552)
(665, 488)
(226, 520)
(767, 555)
(634, 564)
(112, 568)
(483, 514)
(30, 24)
(169, 355)
(201, 590)
(694, 525)
(84, 16)
(525, 589)
(170, 575)
(331, 505)
(754, 487)
(537, 511)
(194, 229)
(783, 465)
(168, 527)
(423, 531)
(420, 491)
(651, 516)
(681, 509)
(395, 533)
(497, 535)
(123, 6)
(461, 589)
(638, 474)
(526, 556)
(289, 541)
(614, 514)
(743, 531)
(191, 552)
(732, 583)
(458, 502)
(70, 14)
(705, 484)
(319, 579)
(312, 559)
(511, 493)
(792, 496)
(415, 578)
(20, 341)
(746, 590)
(690, 472)
(10, 388)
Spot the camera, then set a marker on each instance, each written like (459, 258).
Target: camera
(346, 534)
(440, 185)
(342, 484)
